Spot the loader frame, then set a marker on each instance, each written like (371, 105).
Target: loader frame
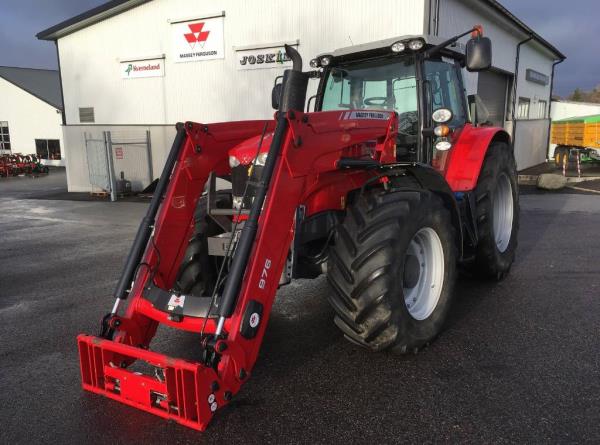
(312, 145)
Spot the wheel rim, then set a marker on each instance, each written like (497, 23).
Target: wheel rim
(503, 212)
(422, 298)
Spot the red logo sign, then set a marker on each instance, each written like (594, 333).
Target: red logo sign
(196, 35)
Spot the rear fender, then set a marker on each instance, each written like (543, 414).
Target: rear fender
(430, 179)
(468, 153)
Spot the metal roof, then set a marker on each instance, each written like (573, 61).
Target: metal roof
(114, 7)
(94, 15)
(43, 84)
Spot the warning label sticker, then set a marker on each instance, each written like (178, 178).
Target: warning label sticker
(176, 301)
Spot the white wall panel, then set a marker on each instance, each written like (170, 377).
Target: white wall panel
(532, 58)
(531, 138)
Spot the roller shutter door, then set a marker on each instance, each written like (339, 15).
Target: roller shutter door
(492, 88)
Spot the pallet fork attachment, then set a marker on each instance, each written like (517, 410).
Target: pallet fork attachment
(116, 362)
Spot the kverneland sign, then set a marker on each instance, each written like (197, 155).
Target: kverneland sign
(200, 39)
(135, 69)
(259, 58)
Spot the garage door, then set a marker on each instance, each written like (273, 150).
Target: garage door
(492, 88)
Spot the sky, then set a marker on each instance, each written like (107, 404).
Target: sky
(571, 26)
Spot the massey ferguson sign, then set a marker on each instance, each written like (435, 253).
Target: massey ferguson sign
(200, 39)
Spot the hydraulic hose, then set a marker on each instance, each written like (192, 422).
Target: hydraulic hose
(293, 97)
(145, 229)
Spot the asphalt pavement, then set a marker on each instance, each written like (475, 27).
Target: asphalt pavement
(518, 362)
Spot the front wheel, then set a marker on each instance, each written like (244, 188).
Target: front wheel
(497, 198)
(392, 270)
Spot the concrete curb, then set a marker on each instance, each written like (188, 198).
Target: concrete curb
(532, 179)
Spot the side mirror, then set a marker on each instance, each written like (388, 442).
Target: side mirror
(479, 54)
(276, 95)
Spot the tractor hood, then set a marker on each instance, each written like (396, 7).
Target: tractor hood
(247, 150)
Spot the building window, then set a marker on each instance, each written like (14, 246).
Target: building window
(48, 149)
(541, 113)
(86, 114)
(523, 108)
(4, 136)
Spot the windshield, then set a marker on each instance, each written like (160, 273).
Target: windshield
(373, 85)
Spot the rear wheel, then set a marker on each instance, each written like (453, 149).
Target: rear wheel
(392, 270)
(198, 271)
(560, 153)
(497, 197)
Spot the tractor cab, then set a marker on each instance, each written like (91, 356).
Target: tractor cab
(418, 77)
(398, 75)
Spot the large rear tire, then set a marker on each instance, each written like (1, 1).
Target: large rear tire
(392, 270)
(198, 271)
(497, 198)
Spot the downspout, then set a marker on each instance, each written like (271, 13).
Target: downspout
(514, 98)
(62, 95)
(556, 62)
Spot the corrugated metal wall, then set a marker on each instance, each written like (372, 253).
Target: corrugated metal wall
(215, 90)
(212, 90)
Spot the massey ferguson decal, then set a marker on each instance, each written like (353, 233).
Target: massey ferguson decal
(350, 115)
(258, 58)
(200, 39)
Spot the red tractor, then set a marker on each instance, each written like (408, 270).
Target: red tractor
(388, 187)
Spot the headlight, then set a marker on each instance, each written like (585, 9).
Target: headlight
(441, 115)
(415, 45)
(314, 63)
(443, 145)
(325, 60)
(233, 161)
(261, 159)
(398, 47)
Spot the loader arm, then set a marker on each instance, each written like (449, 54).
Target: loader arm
(189, 393)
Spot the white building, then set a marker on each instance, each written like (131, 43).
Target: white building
(131, 66)
(31, 113)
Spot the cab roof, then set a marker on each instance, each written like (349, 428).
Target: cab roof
(382, 45)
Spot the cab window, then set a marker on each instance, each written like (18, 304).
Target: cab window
(377, 84)
(383, 84)
(445, 87)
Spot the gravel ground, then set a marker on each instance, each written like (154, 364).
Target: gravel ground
(518, 362)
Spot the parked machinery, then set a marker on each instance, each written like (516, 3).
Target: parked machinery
(18, 164)
(385, 188)
(578, 138)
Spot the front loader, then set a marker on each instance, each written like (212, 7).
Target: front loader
(388, 187)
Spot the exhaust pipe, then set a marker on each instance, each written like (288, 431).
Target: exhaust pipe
(293, 96)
